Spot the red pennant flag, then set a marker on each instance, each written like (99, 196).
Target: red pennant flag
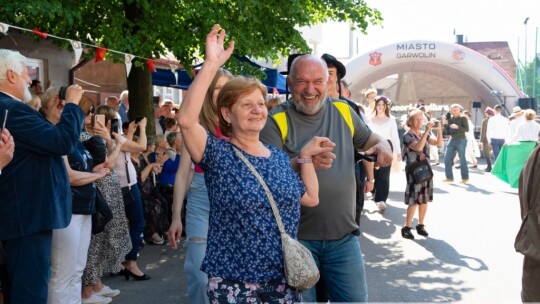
(194, 72)
(275, 91)
(150, 64)
(100, 53)
(40, 34)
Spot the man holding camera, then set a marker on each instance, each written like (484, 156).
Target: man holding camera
(35, 191)
(456, 125)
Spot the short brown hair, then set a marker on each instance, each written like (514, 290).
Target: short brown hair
(230, 93)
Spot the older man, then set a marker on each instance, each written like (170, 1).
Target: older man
(123, 106)
(456, 125)
(328, 230)
(28, 217)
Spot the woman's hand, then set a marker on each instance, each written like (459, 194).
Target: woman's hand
(175, 233)
(142, 123)
(99, 129)
(317, 145)
(215, 51)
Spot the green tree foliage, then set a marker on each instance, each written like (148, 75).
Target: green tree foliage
(146, 28)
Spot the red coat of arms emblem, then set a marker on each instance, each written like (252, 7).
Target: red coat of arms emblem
(375, 58)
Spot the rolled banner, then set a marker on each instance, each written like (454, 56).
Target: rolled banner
(127, 60)
(173, 70)
(77, 48)
(4, 28)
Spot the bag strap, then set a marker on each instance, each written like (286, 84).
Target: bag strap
(265, 187)
(127, 170)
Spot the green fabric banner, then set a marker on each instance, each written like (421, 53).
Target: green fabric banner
(511, 160)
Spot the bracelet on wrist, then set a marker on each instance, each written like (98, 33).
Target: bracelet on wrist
(304, 160)
(370, 180)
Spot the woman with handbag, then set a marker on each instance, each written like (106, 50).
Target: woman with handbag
(419, 189)
(130, 190)
(244, 259)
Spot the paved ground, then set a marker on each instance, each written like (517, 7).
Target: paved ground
(469, 256)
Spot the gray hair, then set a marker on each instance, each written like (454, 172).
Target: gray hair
(310, 57)
(10, 60)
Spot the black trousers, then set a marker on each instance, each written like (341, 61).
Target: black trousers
(382, 183)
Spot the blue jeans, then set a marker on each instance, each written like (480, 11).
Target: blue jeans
(135, 215)
(496, 145)
(342, 268)
(197, 212)
(28, 261)
(456, 145)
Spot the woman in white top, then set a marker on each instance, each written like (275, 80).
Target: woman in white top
(384, 125)
(527, 130)
(472, 150)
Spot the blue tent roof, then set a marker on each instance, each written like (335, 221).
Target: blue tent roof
(165, 78)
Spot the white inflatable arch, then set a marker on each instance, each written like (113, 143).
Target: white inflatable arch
(477, 75)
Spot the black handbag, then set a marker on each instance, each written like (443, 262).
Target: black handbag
(126, 191)
(103, 214)
(420, 171)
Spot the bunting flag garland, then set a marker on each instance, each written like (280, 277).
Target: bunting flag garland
(127, 60)
(3, 28)
(275, 91)
(42, 35)
(150, 64)
(100, 51)
(77, 48)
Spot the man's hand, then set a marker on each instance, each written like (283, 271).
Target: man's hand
(383, 151)
(74, 94)
(7, 147)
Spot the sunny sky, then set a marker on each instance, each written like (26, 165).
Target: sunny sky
(477, 20)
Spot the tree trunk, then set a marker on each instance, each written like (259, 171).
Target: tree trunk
(141, 96)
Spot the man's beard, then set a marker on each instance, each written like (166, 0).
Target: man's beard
(309, 110)
(27, 96)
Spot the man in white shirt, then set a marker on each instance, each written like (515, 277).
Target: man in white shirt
(497, 131)
(517, 120)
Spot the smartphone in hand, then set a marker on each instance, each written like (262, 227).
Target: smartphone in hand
(138, 119)
(5, 116)
(100, 118)
(115, 125)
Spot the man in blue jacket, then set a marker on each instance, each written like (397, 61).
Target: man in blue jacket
(35, 193)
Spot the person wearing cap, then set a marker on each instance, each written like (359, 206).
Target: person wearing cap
(497, 131)
(370, 98)
(515, 122)
(336, 72)
(488, 112)
(328, 229)
(457, 125)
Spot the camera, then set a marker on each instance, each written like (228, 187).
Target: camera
(448, 116)
(62, 93)
(435, 123)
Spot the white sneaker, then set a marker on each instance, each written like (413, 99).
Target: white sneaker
(381, 206)
(106, 291)
(96, 299)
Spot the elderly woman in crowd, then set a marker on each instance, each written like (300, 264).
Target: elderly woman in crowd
(70, 245)
(198, 204)
(243, 257)
(108, 248)
(416, 148)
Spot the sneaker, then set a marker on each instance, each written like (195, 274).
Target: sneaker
(381, 206)
(96, 299)
(406, 233)
(464, 181)
(448, 180)
(421, 230)
(106, 291)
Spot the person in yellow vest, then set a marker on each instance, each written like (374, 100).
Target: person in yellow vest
(329, 230)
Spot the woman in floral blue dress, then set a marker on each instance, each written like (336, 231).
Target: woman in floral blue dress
(243, 258)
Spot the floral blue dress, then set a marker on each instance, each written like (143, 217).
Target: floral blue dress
(243, 238)
(416, 193)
